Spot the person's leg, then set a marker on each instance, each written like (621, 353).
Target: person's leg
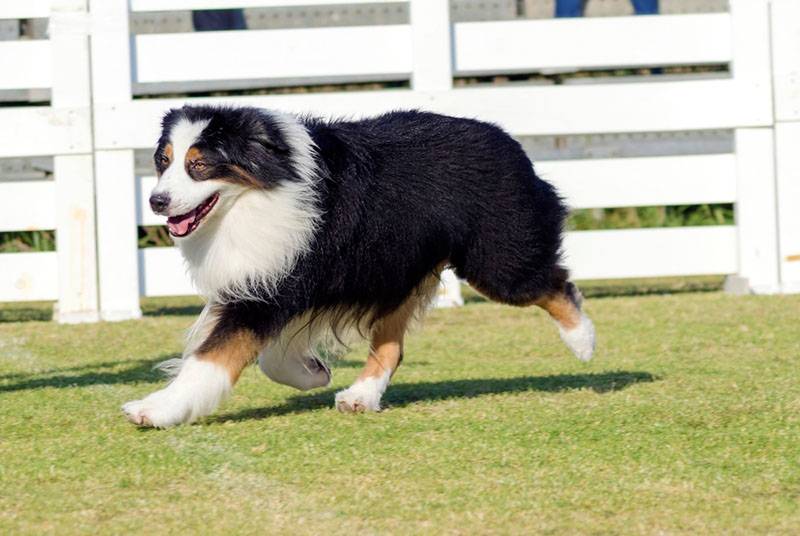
(209, 20)
(569, 8)
(645, 7)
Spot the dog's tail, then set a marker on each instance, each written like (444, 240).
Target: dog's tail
(576, 329)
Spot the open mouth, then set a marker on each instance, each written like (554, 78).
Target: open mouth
(185, 224)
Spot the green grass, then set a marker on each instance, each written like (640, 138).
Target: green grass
(687, 421)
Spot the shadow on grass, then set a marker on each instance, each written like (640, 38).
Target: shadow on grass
(622, 288)
(404, 394)
(140, 371)
(167, 310)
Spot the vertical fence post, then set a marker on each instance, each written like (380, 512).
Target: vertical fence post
(432, 45)
(114, 168)
(432, 42)
(786, 81)
(74, 179)
(756, 209)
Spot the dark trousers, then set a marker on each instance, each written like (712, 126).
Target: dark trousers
(210, 20)
(574, 8)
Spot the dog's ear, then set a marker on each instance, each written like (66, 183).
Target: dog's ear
(268, 134)
(272, 143)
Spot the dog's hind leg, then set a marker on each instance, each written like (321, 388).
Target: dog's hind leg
(575, 328)
(386, 353)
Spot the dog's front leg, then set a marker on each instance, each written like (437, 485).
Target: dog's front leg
(214, 358)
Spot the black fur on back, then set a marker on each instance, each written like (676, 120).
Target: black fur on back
(400, 195)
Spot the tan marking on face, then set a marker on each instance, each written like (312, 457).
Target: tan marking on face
(240, 176)
(234, 353)
(168, 153)
(193, 156)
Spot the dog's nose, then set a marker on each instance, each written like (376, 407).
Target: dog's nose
(159, 202)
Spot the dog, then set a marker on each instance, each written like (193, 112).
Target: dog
(298, 229)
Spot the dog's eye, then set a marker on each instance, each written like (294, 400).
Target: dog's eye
(198, 165)
(163, 160)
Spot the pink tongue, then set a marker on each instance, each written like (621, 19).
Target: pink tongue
(179, 225)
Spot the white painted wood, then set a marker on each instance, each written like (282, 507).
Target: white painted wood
(787, 142)
(644, 107)
(27, 205)
(648, 181)
(756, 211)
(25, 64)
(75, 239)
(290, 53)
(674, 251)
(24, 9)
(74, 174)
(44, 131)
(175, 5)
(591, 43)
(28, 276)
(118, 261)
(163, 273)
(786, 59)
(116, 193)
(752, 58)
(432, 45)
(145, 216)
(111, 54)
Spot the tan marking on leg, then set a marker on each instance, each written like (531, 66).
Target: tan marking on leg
(386, 352)
(562, 308)
(386, 346)
(234, 353)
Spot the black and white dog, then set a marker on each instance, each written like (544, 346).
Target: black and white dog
(294, 228)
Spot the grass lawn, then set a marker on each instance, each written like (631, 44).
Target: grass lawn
(687, 421)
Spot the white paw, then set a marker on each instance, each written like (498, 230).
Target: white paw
(364, 395)
(195, 392)
(580, 339)
(159, 410)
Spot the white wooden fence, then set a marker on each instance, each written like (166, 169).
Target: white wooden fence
(93, 129)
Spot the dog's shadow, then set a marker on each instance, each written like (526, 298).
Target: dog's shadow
(111, 373)
(108, 373)
(404, 394)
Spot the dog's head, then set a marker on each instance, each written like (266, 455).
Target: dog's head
(207, 157)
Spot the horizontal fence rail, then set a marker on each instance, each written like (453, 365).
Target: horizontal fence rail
(359, 52)
(175, 5)
(618, 42)
(29, 276)
(651, 252)
(95, 200)
(25, 64)
(636, 107)
(641, 182)
(18, 213)
(25, 9)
